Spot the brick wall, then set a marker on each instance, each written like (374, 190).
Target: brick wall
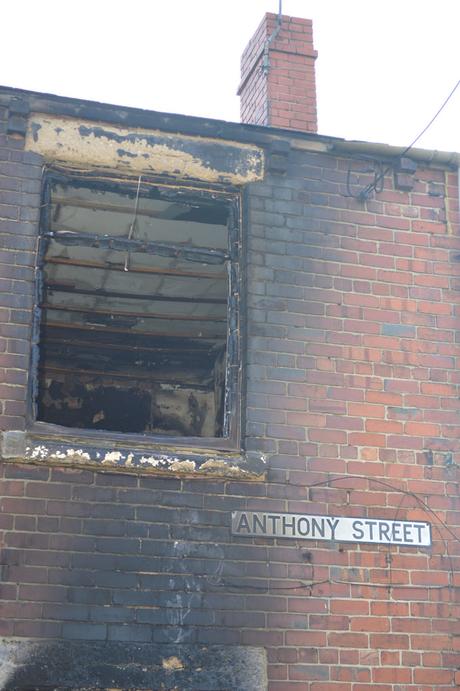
(352, 391)
(279, 89)
(20, 176)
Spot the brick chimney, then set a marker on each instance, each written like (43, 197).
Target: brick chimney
(278, 75)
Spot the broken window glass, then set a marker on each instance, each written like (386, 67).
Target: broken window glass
(138, 308)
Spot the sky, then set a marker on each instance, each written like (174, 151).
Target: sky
(383, 68)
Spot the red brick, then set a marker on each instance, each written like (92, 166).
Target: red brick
(352, 607)
(337, 277)
(366, 439)
(433, 676)
(389, 640)
(428, 227)
(383, 426)
(392, 675)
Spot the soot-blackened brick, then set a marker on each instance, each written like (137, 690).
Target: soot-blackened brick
(350, 386)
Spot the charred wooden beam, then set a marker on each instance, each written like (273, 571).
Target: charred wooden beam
(232, 364)
(103, 337)
(94, 204)
(140, 315)
(133, 269)
(45, 211)
(203, 255)
(190, 370)
(132, 376)
(180, 211)
(60, 288)
(90, 355)
(202, 350)
(219, 337)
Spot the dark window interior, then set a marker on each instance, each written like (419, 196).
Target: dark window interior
(135, 309)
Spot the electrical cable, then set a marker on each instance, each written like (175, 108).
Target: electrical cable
(330, 581)
(412, 144)
(133, 223)
(265, 57)
(388, 485)
(378, 175)
(366, 191)
(302, 584)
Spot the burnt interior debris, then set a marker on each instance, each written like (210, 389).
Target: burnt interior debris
(134, 308)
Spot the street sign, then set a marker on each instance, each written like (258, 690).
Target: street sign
(333, 528)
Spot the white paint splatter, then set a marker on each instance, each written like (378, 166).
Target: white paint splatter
(150, 460)
(80, 453)
(39, 452)
(112, 456)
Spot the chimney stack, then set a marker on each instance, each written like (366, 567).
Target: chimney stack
(278, 75)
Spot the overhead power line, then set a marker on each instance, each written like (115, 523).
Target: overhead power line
(372, 186)
(439, 111)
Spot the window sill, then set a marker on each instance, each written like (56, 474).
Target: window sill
(128, 453)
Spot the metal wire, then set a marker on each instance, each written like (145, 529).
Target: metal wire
(373, 186)
(133, 223)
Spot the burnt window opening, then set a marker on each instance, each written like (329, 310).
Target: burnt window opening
(137, 309)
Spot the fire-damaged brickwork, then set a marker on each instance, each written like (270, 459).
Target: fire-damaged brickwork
(20, 183)
(349, 390)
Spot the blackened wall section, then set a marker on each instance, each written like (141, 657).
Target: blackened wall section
(351, 390)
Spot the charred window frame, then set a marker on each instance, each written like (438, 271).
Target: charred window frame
(81, 278)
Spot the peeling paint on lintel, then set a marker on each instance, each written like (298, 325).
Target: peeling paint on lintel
(52, 451)
(134, 151)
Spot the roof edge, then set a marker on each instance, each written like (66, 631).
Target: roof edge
(210, 127)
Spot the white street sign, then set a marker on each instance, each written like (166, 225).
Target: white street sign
(337, 528)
